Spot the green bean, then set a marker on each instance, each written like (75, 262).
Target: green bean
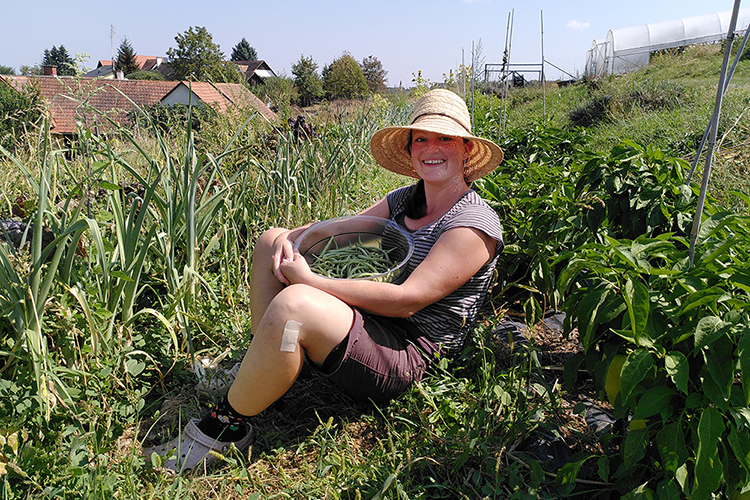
(352, 261)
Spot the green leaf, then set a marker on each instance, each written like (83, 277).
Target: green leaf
(678, 369)
(720, 364)
(109, 186)
(637, 300)
(708, 466)
(653, 401)
(670, 441)
(634, 448)
(668, 489)
(740, 444)
(700, 298)
(134, 367)
(566, 476)
(121, 275)
(603, 468)
(743, 353)
(570, 370)
(532, 310)
(637, 367)
(709, 328)
(587, 312)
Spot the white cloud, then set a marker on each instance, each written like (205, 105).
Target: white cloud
(577, 25)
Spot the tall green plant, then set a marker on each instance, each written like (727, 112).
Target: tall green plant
(684, 386)
(27, 279)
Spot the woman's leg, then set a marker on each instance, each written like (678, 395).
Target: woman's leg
(263, 284)
(268, 371)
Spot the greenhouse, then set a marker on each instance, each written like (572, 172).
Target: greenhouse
(627, 49)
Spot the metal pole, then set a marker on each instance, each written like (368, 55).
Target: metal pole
(544, 100)
(473, 78)
(506, 65)
(714, 130)
(708, 127)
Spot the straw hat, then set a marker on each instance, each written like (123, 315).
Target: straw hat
(443, 112)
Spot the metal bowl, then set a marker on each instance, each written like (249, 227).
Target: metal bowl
(363, 229)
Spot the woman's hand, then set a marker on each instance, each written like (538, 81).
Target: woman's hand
(296, 269)
(283, 250)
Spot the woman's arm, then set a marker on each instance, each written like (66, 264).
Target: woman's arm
(456, 256)
(284, 242)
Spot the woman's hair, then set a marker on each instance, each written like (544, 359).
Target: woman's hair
(415, 205)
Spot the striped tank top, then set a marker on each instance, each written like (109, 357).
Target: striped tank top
(448, 321)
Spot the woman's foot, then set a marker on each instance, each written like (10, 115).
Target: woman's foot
(193, 448)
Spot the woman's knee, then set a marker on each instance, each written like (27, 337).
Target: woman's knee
(296, 301)
(324, 320)
(266, 239)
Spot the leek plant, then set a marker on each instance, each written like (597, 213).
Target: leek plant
(27, 277)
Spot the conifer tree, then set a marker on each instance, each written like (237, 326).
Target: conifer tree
(126, 58)
(60, 59)
(243, 51)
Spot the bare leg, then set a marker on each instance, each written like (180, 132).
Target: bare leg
(263, 284)
(267, 372)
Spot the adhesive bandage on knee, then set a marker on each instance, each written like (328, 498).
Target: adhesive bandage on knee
(291, 336)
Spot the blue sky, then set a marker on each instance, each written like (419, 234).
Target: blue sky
(405, 35)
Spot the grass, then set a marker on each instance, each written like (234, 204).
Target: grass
(97, 345)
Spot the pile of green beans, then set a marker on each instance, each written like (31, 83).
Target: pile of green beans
(351, 262)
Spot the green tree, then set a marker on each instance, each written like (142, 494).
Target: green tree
(279, 93)
(6, 70)
(30, 70)
(308, 82)
(243, 51)
(126, 58)
(344, 79)
(60, 59)
(146, 75)
(198, 57)
(19, 111)
(374, 74)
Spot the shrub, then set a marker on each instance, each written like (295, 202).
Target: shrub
(145, 75)
(591, 112)
(19, 111)
(344, 79)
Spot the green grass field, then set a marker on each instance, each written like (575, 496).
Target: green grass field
(149, 275)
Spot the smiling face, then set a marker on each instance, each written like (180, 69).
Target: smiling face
(438, 157)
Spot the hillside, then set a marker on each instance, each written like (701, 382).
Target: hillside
(666, 106)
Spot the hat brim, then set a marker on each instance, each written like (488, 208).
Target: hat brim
(389, 148)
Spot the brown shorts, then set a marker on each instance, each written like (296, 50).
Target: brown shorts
(380, 358)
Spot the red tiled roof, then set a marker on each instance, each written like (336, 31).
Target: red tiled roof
(64, 96)
(145, 63)
(224, 95)
(116, 98)
(209, 94)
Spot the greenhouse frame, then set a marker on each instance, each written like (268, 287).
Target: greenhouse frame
(627, 49)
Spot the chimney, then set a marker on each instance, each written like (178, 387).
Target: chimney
(120, 75)
(158, 62)
(49, 70)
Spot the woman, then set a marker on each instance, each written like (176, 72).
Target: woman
(372, 339)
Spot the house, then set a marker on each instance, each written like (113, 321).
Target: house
(104, 68)
(255, 71)
(93, 102)
(222, 96)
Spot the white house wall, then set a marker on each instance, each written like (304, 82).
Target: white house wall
(181, 95)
